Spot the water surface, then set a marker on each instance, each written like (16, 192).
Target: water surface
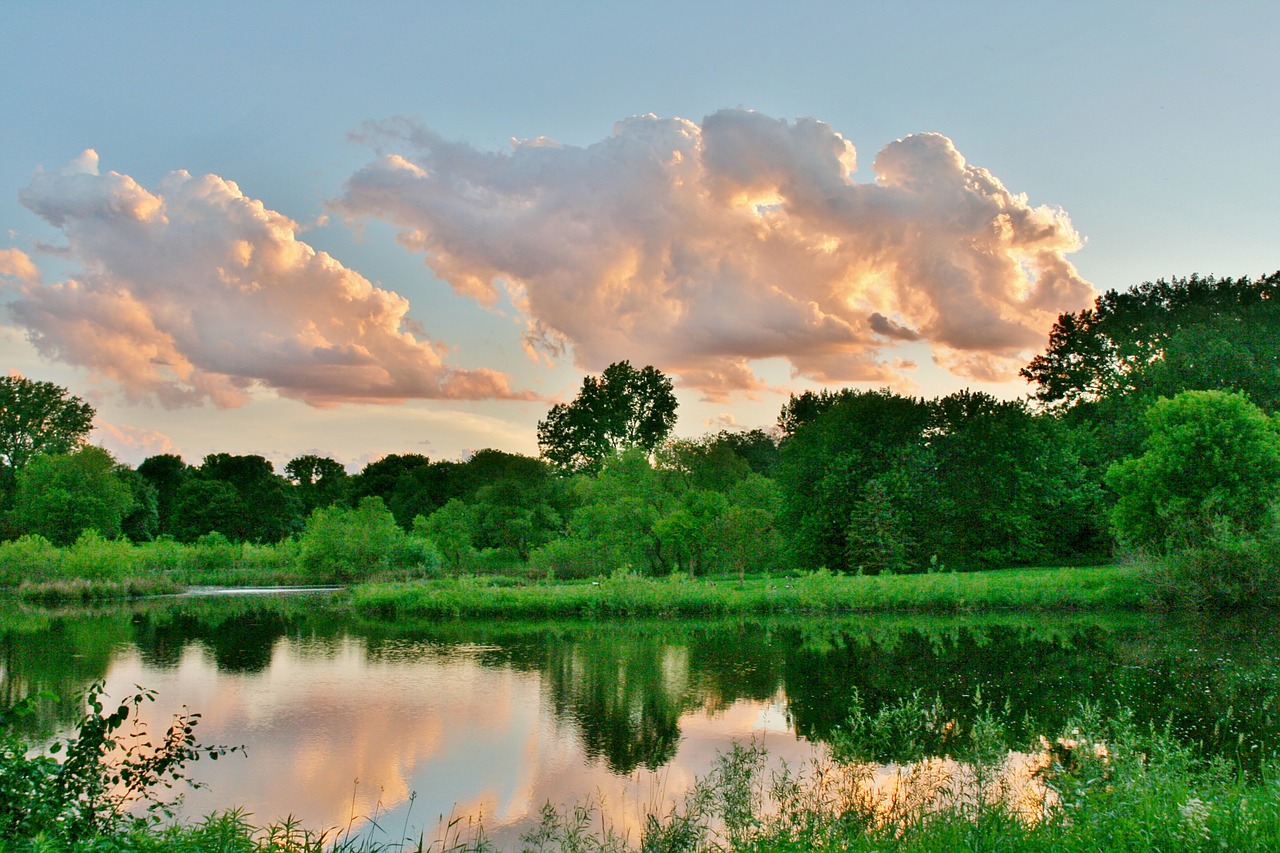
(343, 719)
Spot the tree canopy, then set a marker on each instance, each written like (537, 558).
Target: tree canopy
(1164, 337)
(620, 409)
(1210, 458)
(39, 418)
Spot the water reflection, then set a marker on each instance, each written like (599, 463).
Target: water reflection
(346, 718)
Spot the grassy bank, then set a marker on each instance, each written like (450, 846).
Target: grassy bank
(1105, 587)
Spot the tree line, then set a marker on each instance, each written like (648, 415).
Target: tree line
(1151, 426)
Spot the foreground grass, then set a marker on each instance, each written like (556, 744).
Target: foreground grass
(1105, 587)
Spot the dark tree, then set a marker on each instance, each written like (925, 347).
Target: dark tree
(319, 480)
(622, 408)
(240, 497)
(828, 461)
(807, 407)
(166, 474)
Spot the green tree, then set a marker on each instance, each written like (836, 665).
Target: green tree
(264, 508)
(166, 473)
(827, 462)
(207, 506)
(61, 496)
(877, 539)
(1164, 337)
(320, 481)
(352, 544)
(1211, 458)
(39, 418)
(622, 408)
(451, 529)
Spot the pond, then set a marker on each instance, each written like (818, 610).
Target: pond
(343, 719)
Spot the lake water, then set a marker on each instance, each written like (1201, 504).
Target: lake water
(343, 719)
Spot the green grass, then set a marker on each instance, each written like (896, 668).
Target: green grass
(1105, 587)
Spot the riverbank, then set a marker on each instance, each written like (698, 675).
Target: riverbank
(1110, 587)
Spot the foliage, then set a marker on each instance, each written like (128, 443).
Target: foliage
(166, 473)
(28, 558)
(319, 480)
(353, 544)
(104, 774)
(39, 418)
(878, 541)
(826, 463)
(1165, 337)
(1211, 462)
(451, 530)
(60, 496)
(622, 408)
(239, 497)
(1228, 571)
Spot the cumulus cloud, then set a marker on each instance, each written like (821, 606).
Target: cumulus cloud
(702, 248)
(195, 292)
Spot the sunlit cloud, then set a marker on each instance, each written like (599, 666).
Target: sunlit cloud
(703, 248)
(130, 444)
(195, 292)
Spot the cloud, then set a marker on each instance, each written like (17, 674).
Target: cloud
(702, 248)
(15, 264)
(129, 443)
(195, 292)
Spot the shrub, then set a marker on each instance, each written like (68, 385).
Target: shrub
(352, 544)
(28, 558)
(95, 558)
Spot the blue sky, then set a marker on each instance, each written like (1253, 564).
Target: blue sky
(442, 285)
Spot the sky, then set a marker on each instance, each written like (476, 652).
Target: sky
(358, 229)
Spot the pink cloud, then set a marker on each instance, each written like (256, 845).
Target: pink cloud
(195, 292)
(702, 248)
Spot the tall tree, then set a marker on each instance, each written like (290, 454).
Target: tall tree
(39, 417)
(166, 473)
(622, 408)
(1164, 337)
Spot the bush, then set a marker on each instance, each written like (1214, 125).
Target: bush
(1231, 571)
(104, 775)
(93, 557)
(29, 558)
(353, 544)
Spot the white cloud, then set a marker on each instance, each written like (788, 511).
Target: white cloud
(196, 292)
(702, 248)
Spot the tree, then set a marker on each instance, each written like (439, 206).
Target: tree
(352, 544)
(1164, 337)
(166, 473)
(320, 481)
(61, 496)
(1211, 459)
(265, 509)
(622, 408)
(826, 463)
(39, 418)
